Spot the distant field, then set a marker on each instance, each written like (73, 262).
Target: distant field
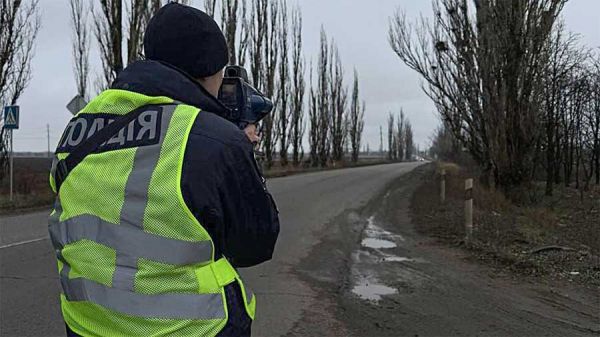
(33, 165)
(32, 189)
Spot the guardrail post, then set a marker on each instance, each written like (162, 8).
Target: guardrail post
(469, 209)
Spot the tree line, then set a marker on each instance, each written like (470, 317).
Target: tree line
(400, 137)
(512, 88)
(569, 141)
(19, 26)
(264, 36)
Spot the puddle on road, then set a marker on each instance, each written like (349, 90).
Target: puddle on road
(377, 237)
(374, 231)
(372, 291)
(373, 260)
(397, 259)
(377, 243)
(372, 257)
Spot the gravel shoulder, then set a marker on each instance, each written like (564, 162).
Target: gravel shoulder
(377, 275)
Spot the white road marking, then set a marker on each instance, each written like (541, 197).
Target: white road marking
(22, 243)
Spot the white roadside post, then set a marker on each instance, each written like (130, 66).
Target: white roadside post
(443, 186)
(11, 123)
(469, 209)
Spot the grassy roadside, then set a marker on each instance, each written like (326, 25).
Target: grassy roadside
(558, 238)
(25, 203)
(33, 192)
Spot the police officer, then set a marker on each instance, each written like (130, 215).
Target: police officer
(158, 199)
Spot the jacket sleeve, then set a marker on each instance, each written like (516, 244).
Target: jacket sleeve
(223, 188)
(250, 216)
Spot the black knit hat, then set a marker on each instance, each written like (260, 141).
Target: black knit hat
(186, 38)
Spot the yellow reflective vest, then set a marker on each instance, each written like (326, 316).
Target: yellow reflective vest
(132, 259)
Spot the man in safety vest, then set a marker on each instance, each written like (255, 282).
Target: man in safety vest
(159, 198)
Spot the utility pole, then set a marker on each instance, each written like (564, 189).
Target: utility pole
(48, 136)
(380, 141)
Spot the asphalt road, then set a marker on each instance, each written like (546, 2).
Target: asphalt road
(29, 287)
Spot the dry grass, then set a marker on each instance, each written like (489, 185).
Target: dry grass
(451, 169)
(505, 233)
(31, 190)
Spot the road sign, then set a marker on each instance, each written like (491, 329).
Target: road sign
(11, 122)
(76, 104)
(11, 117)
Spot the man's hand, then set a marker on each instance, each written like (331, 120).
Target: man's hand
(252, 133)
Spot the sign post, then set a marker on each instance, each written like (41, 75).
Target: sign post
(11, 159)
(11, 123)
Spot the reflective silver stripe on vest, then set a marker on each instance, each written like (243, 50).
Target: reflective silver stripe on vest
(53, 167)
(168, 306)
(138, 182)
(249, 294)
(136, 198)
(128, 241)
(66, 268)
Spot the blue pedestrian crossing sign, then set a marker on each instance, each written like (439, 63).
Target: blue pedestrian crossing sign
(11, 117)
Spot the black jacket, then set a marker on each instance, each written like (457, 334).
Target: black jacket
(221, 182)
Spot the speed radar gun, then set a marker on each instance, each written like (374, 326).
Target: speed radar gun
(245, 105)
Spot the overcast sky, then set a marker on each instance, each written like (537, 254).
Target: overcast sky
(358, 26)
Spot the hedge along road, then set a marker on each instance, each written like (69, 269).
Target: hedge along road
(29, 285)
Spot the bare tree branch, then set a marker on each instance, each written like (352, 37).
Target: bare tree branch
(109, 36)
(270, 59)
(339, 97)
(298, 88)
(210, 7)
(19, 26)
(483, 72)
(284, 86)
(229, 19)
(80, 45)
(139, 14)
